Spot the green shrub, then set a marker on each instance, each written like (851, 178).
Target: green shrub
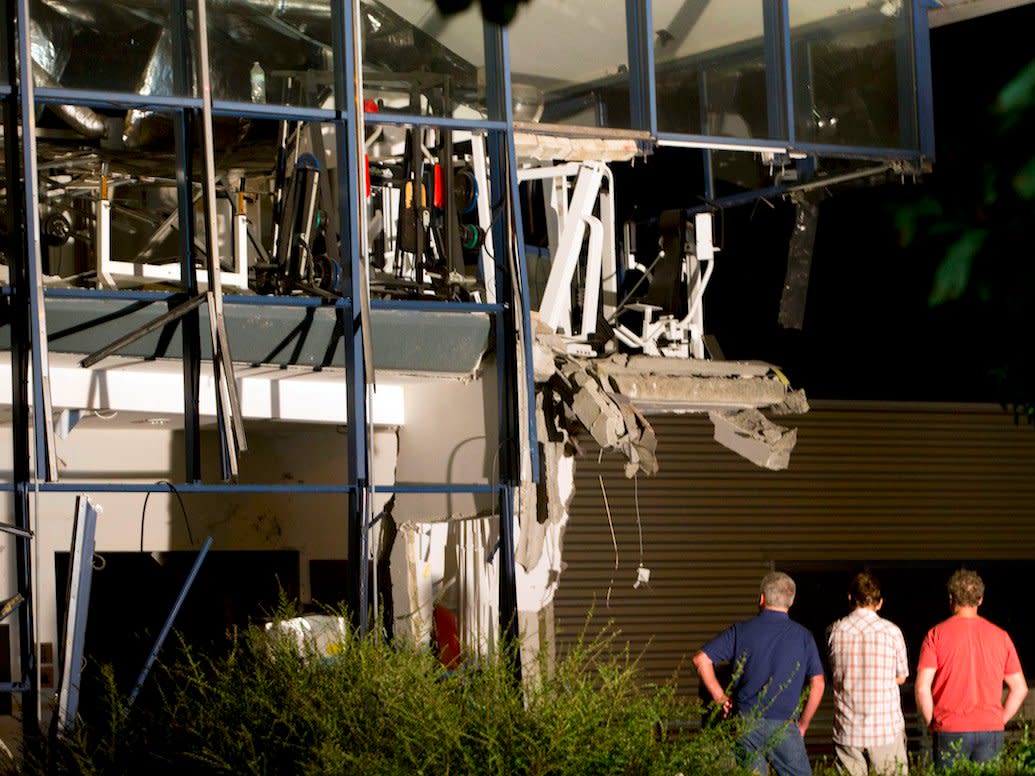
(267, 707)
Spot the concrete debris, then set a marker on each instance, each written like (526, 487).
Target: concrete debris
(610, 397)
(549, 148)
(695, 385)
(611, 419)
(794, 404)
(750, 434)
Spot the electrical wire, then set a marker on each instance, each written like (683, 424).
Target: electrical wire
(183, 511)
(639, 526)
(614, 541)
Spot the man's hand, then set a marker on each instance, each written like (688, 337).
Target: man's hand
(706, 670)
(727, 705)
(816, 686)
(924, 698)
(1018, 689)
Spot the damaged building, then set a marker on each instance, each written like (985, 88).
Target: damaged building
(346, 299)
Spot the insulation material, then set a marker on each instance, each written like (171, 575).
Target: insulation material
(538, 573)
(750, 434)
(539, 559)
(418, 572)
(477, 560)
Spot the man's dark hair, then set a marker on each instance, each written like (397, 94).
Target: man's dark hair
(865, 590)
(966, 588)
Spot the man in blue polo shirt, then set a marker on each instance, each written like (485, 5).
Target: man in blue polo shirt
(778, 655)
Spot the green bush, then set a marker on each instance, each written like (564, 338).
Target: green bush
(267, 707)
(263, 706)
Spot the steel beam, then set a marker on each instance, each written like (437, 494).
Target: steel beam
(231, 426)
(191, 331)
(19, 301)
(359, 367)
(46, 461)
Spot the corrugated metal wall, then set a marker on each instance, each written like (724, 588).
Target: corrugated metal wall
(867, 482)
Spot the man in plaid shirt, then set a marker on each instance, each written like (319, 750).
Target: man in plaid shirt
(868, 663)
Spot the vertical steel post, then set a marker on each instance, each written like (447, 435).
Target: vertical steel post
(642, 84)
(349, 140)
(46, 461)
(511, 287)
(924, 90)
(18, 257)
(191, 325)
(773, 25)
(788, 69)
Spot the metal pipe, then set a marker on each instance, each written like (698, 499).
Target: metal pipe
(169, 621)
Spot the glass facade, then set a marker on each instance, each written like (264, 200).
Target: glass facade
(423, 63)
(570, 63)
(104, 45)
(853, 74)
(710, 69)
(278, 53)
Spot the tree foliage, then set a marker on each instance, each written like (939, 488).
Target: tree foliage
(981, 221)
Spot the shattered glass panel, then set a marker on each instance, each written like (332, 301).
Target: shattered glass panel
(570, 63)
(110, 45)
(709, 66)
(853, 73)
(271, 51)
(418, 61)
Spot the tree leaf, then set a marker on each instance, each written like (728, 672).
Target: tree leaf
(953, 274)
(1024, 180)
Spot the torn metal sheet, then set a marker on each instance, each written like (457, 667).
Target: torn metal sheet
(750, 434)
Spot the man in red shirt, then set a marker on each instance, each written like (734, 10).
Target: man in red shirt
(964, 663)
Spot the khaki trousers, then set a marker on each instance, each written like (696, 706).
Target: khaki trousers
(885, 760)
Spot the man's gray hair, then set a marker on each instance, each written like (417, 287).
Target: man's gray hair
(778, 589)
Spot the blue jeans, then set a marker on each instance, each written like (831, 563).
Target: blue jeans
(979, 747)
(777, 741)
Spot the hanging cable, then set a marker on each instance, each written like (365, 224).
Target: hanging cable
(642, 572)
(614, 541)
(183, 511)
